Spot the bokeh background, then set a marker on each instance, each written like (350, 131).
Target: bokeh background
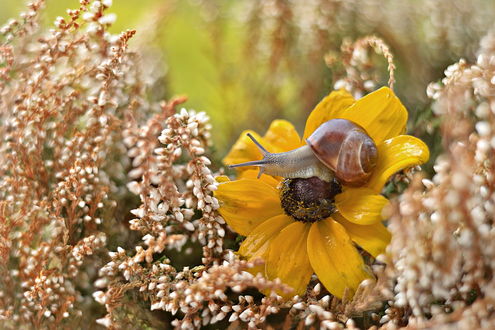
(248, 62)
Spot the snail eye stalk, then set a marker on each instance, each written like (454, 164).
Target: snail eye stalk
(262, 149)
(258, 163)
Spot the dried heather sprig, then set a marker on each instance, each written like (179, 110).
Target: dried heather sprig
(28, 23)
(61, 107)
(172, 194)
(360, 72)
(442, 247)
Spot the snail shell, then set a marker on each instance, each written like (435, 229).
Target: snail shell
(346, 149)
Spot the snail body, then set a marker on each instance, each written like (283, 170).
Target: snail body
(337, 148)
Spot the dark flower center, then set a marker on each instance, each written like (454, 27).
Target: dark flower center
(309, 200)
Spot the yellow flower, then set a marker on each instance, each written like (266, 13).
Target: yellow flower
(294, 247)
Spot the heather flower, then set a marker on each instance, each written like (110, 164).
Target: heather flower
(272, 212)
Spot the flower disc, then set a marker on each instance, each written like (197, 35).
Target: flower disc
(309, 200)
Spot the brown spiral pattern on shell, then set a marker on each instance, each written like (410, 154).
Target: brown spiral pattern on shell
(346, 149)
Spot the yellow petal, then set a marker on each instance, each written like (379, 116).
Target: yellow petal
(222, 178)
(244, 204)
(360, 205)
(257, 244)
(253, 174)
(332, 106)
(258, 241)
(380, 113)
(288, 258)
(244, 150)
(372, 238)
(334, 258)
(394, 155)
(283, 135)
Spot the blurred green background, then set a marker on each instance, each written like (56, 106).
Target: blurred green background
(248, 62)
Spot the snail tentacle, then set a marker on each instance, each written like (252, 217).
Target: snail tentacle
(259, 163)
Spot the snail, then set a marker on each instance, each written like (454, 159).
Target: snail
(337, 149)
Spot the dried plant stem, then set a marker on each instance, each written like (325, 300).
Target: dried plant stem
(380, 47)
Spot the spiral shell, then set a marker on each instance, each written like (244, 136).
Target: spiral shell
(346, 149)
